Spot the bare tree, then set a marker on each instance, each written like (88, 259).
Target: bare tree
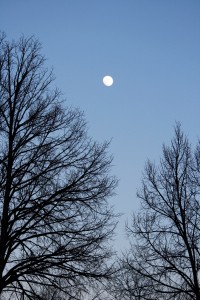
(54, 183)
(164, 257)
(49, 293)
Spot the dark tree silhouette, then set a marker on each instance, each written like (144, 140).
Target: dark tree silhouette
(49, 293)
(164, 258)
(54, 183)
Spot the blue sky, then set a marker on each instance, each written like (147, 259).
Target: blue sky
(151, 48)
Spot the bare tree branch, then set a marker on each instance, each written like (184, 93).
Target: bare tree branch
(54, 183)
(164, 258)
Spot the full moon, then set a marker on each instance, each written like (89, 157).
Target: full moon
(108, 80)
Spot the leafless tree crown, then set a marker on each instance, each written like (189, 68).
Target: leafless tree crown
(54, 183)
(164, 257)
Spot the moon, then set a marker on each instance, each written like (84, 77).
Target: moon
(107, 80)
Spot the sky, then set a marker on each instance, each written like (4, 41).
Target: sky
(151, 48)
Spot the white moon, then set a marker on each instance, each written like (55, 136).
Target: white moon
(108, 80)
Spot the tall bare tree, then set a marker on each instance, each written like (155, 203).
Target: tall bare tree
(164, 257)
(54, 183)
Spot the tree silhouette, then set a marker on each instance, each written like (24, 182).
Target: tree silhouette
(54, 183)
(164, 257)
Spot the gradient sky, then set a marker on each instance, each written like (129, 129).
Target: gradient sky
(151, 48)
